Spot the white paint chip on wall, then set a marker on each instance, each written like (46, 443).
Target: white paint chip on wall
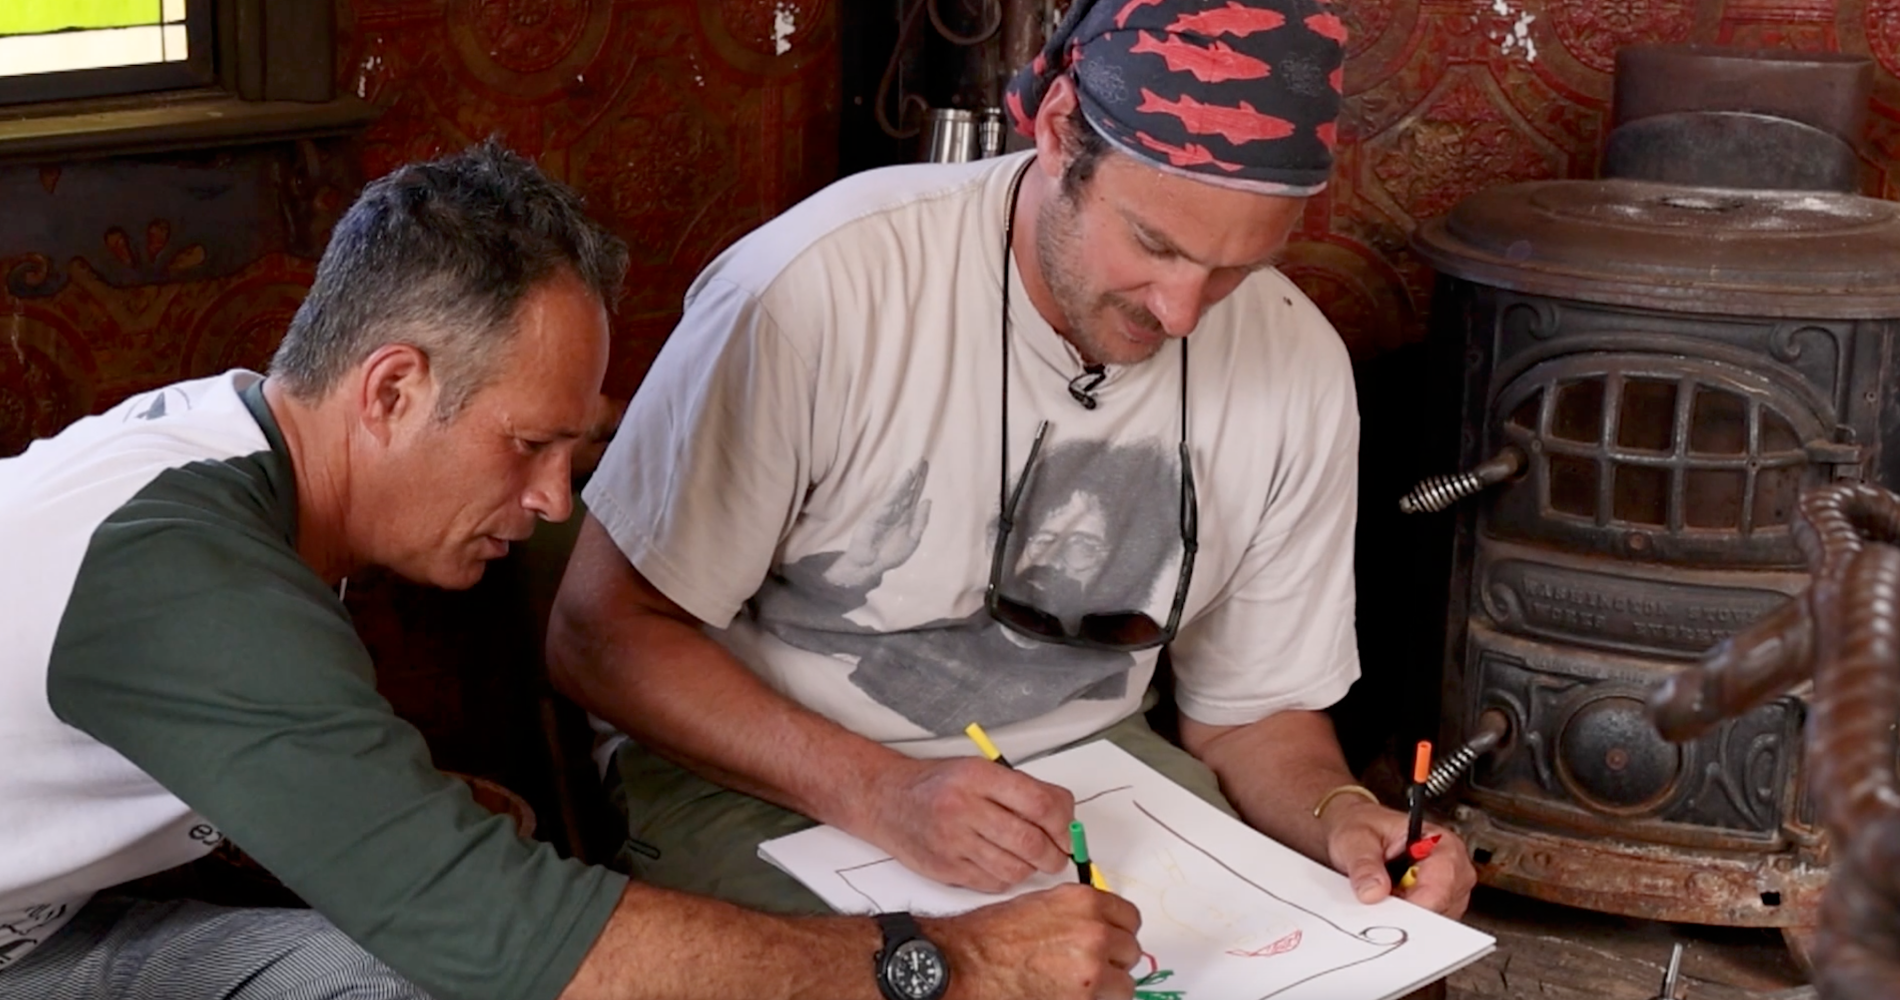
(1518, 36)
(784, 22)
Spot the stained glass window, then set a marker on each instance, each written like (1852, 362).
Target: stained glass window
(54, 36)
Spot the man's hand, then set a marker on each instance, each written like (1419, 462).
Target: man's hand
(969, 822)
(1067, 943)
(1360, 837)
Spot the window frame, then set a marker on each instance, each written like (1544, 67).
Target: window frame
(197, 69)
(273, 79)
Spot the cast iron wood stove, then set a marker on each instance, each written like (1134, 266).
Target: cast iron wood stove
(1652, 373)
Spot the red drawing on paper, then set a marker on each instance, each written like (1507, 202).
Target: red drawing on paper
(1280, 947)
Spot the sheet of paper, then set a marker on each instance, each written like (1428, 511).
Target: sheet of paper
(1227, 914)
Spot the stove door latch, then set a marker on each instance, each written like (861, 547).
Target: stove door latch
(1440, 492)
(1845, 458)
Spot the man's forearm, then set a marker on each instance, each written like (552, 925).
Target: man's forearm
(690, 701)
(629, 655)
(1274, 771)
(662, 944)
(1067, 943)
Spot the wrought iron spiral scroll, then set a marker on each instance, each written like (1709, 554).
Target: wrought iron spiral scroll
(1844, 632)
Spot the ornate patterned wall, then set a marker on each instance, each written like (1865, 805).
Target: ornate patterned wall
(1446, 97)
(119, 276)
(686, 126)
(684, 122)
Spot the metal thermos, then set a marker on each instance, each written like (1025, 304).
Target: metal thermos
(953, 136)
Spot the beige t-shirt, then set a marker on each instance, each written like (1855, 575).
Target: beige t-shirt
(812, 468)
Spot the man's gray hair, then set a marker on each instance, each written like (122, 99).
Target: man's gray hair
(438, 256)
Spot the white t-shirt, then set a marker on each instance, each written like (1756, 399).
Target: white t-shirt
(812, 468)
(79, 816)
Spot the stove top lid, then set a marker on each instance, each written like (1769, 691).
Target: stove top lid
(1687, 249)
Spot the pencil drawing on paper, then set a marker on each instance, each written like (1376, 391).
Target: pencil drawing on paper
(1209, 931)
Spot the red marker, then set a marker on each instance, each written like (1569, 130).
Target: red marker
(1418, 852)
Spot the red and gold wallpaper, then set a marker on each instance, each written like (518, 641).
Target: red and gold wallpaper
(1447, 97)
(684, 122)
(688, 122)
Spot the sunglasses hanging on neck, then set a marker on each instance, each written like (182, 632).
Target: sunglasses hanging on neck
(1121, 631)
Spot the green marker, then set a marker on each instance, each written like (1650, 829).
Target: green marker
(1079, 850)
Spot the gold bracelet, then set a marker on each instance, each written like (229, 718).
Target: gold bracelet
(1327, 799)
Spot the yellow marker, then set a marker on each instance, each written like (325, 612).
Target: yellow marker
(1410, 879)
(1096, 878)
(982, 741)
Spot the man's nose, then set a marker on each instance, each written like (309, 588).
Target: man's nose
(1177, 301)
(550, 494)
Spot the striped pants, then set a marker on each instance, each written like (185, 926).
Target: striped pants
(120, 948)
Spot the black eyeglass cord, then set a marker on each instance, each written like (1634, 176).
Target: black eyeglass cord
(1095, 373)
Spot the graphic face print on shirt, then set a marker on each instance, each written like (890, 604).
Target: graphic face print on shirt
(1097, 531)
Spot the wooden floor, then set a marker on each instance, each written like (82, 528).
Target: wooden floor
(1554, 952)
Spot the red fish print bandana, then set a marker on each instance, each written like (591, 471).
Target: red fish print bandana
(1242, 93)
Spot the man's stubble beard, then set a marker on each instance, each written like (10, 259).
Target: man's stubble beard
(1058, 249)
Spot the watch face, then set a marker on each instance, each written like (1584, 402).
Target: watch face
(915, 969)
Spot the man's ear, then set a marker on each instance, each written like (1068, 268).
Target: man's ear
(1055, 147)
(395, 386)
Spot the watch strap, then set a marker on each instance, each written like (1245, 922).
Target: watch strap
(897, 928)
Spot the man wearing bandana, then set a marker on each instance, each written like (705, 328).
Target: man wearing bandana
(863, 497)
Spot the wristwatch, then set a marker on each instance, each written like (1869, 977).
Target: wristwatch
(908, 967)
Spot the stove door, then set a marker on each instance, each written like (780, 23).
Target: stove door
(1658, 458)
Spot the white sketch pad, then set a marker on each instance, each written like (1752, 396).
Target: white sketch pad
(1227, 912)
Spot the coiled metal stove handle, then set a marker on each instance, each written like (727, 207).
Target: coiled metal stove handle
(1439, 492)
(1493, 727)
